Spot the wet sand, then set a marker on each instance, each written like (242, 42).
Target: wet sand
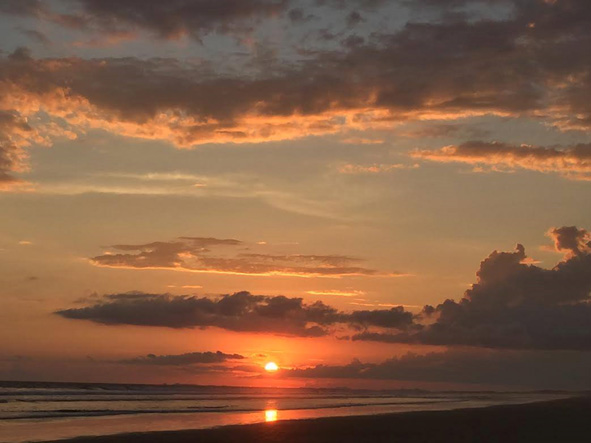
(552, 421)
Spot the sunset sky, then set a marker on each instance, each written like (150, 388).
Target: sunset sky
(370, 193)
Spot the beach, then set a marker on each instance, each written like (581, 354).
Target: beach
(565, 420)
(41, 411)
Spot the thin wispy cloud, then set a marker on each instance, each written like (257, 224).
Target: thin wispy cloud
(191, 358)
(570, 162)
(227, 256)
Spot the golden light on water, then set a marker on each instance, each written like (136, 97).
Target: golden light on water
(270, 415)
(271, 367)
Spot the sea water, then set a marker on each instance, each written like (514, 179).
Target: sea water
(45, 411)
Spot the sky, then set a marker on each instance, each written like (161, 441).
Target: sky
(370, 193)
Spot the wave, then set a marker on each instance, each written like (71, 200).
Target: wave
(70, 413)
(35, 398)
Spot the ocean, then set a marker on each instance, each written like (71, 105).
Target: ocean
(31, 411)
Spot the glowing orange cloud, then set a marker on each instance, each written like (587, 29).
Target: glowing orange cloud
(573, 162)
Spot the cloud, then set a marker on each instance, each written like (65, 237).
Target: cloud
(180, 102)
(14, 135)
(534, 370)
(226, 256)
(354, 18)
(9, 159)
(363, 141)
(396, 318)
(298, 15)
(572, 162)
(514, 304)
(374, 169)
(176, 18)
(241, 312)
(443, 70)
(571, 241)
(192, 358)
(17, 133)
(169, 20)
(23, 7)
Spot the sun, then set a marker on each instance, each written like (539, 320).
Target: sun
(271, 367)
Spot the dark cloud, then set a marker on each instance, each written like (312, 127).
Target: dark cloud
(573, 162)
(298, 15)
(515, 304)
(169, 19)
(354, 18)
(192, 358)
(195, 254)
(241, 311)
(166, 99)
(396, 318)
(352, 41)
(437, 69)
(534, 370)
(446, 4)
(571, 240)
(343, 4)
(23, 7)
(532, 63)
(173, 18)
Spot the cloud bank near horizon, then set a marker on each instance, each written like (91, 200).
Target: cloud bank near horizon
(513, 305)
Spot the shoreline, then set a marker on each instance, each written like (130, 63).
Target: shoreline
(565, 420)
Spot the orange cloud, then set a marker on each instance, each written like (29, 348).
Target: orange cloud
(374, 169)
(363, 141)
(572, 162)
(427, 71)
(222, 256)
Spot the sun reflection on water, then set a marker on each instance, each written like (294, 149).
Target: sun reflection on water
(270, 415)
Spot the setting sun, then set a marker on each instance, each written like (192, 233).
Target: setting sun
(271, 367)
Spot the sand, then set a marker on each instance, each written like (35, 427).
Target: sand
(552, 421)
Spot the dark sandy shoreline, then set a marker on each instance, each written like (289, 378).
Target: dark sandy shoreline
(566, 420)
